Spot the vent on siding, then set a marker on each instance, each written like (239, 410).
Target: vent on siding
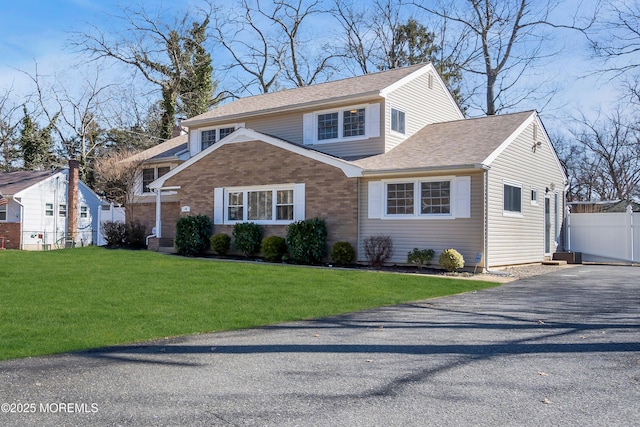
(430, 81)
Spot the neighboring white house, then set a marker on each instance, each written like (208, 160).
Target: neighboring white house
(39, 207)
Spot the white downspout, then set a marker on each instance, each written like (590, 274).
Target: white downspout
(157, 230)
(21, 222)
(486, 220)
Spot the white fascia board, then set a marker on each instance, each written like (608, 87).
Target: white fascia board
(494, 155)
(245, 135)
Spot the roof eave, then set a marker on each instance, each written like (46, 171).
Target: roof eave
(301, 106)
(429, 169)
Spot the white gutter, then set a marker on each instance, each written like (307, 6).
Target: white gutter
(21, 222)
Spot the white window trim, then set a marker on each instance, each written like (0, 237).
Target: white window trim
(391, 130)
(535, 202)
(371, 124)
(140, 182)
(5, 208)
(217, 129)
(417, 199)
(223, 217)
(505, 212)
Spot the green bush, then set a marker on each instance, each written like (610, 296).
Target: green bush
(420, 257)
(247, 238)
(378, 250)
(114, 233)
(451, 260)
(192, 235)
(307, 240)
(343, 253)
(135, 235)
(220, 243)
(273, 248)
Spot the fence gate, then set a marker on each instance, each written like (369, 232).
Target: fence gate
(605, 236)
(109, 213)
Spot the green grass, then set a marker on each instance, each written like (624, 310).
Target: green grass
(75, 299)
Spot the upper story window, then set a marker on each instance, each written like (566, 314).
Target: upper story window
(48, 209)
(398, 121)
(208, 137)
(151, 174)
(62, 210)
(349, 123)
(512, 198)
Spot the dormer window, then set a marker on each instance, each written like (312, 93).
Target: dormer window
(345, 124)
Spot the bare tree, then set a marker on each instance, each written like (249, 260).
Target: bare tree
(115, 177)
(272, 42)
(9, 123)
(170, 56)
(511, 39)
(606, 157)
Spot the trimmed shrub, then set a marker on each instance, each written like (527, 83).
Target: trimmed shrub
(420, 257)
(114, 233)
(273, 248)
(451, 260)
(378, 250)
(343, 253)
(307, 240)
(192, 235)
(220, 243)
(247, 238)
(135, 235)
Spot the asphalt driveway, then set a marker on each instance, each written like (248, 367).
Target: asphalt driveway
(557, 349)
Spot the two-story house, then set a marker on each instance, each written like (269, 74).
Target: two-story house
(385, 153)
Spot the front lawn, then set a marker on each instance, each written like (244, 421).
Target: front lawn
(75, 299)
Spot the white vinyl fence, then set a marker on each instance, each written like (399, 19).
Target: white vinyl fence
(605, 236)
(108, 213)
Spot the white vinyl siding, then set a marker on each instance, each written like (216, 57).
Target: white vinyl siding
(519, 238)
(463, 232)
(421, 104)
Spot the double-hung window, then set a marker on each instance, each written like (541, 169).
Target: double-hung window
(512, 198)
(342, 124)
(3, 212)
(397, 121)
(84, 211)
(418, 198)
(62, 210)
(208, 137)
(48, 209)
(151, 174)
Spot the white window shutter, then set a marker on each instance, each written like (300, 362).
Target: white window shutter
(373, 121)
(218, 206)
(298, 202)
(375, 199)
(462, 201)
(194, 142)
(308, 128)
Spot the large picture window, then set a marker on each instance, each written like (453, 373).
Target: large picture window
(512, 198)
(261, 205)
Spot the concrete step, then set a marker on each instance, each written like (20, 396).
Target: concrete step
(554, 262)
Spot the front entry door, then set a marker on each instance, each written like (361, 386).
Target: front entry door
(547, 225)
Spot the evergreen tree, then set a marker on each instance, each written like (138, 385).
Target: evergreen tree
(36, 144)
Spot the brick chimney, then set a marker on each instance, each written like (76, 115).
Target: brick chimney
(72, 201)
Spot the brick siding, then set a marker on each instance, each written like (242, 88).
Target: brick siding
(10, 231)
(329, 193)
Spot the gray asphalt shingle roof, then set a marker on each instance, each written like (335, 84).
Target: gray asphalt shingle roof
(323, 92)
(14, 182)
(448, 144)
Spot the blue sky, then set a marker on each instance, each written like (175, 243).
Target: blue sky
(37, 31)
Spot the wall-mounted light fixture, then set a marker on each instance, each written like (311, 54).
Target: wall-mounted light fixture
(535, 146)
